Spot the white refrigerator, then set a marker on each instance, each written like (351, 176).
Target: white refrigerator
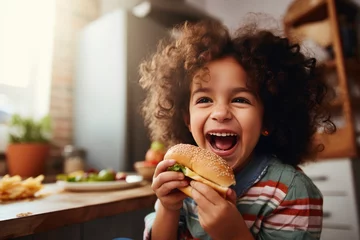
(107, 122)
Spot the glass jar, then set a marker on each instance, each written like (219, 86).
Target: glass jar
(74, 159)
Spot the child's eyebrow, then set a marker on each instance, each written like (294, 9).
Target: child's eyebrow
(233, 91)
(201, 90)
(242, 89)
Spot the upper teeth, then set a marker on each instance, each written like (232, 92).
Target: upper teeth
(223, 134)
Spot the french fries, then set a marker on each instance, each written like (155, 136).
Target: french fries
(14, 188)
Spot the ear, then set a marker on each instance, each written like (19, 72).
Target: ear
(186, 117)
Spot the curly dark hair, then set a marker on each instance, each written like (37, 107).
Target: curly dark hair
(287, 82)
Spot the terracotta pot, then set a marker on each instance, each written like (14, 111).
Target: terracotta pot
(27, 159)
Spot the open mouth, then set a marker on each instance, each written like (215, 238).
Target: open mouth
(222, 141)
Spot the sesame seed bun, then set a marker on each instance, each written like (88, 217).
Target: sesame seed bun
(205, 163)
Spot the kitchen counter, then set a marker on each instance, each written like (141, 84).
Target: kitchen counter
(56, 208)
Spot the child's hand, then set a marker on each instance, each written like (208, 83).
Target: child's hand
(165, 184)
(219, 217)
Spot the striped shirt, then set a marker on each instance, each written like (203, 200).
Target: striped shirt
(276, 200)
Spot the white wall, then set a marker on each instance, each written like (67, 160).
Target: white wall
(231, 12)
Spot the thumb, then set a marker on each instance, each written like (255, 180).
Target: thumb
(231, 196)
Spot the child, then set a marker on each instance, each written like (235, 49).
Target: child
(255, 100)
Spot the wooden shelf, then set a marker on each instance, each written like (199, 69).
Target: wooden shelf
(337, 103)
(305, 10)
(352, 68)
(335, 144)
(303, 14)
(329, 64)
(351, 64)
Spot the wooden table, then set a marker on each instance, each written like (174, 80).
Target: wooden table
(57, 208)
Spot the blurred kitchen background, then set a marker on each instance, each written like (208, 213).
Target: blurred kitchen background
(77, 60)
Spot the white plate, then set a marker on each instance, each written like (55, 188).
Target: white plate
(131, 181)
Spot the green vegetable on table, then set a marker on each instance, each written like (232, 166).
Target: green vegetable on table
(106, 175)
(103, 175)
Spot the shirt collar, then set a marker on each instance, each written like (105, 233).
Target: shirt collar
(251, 173)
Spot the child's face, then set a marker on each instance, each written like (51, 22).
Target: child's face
(225, 115)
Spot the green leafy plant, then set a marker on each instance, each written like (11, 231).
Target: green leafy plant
(28, 130)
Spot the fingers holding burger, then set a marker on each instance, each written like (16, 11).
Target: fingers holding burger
(201, 165)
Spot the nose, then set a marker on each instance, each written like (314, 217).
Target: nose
(221, 113)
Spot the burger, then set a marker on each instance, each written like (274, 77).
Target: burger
(201, 165)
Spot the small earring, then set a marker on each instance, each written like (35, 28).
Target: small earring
(265, 133)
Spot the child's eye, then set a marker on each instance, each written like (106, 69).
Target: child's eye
(241, 100)
(203, 100)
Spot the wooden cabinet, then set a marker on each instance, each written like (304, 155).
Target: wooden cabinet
(332, 25)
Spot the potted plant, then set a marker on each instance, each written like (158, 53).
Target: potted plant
(29, 145)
